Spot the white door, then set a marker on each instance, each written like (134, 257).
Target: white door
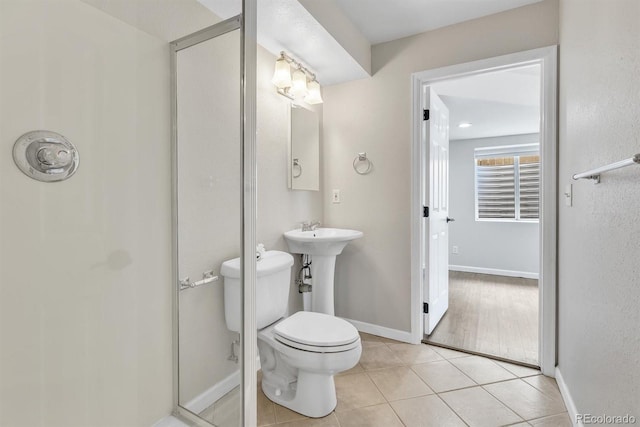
(435, 198)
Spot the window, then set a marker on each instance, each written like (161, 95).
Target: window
(508, 183)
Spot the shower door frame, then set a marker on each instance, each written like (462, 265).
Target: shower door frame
(246, 23)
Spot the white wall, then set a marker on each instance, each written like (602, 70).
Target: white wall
(373, 282)
(85, 264)
(599, 237)
(510, 246)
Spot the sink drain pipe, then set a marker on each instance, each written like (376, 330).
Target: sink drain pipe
(304, 281)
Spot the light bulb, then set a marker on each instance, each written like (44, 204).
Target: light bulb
(298, 84)
(282, 74)
(314, 96)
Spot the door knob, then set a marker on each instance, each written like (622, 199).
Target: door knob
(450, 219)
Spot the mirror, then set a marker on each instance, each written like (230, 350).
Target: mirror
(304, 152)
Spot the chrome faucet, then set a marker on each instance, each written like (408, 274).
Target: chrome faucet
(310, 225)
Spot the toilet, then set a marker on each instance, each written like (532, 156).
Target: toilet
(299, 354)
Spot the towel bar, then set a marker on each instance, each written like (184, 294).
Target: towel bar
(594, 174)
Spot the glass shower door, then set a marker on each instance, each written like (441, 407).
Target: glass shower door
(211, 222)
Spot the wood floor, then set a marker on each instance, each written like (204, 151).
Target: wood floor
(493, 315)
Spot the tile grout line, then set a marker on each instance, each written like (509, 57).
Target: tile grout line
(539, 389)
(335, 414)
(396, 414)
(504, 404)
(385, 397)
(452, 410)
(463, 373)
(513, 410)
(410, 367)
(492, 382)
(476, 385)
(530, 385)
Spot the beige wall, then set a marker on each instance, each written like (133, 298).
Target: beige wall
(599, 237)
(373, 115)
(85, 264)
(279, 209)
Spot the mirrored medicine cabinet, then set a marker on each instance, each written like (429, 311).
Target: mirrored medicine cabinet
(304, 149)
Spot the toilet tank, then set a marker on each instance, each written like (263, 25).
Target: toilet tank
(272, 289)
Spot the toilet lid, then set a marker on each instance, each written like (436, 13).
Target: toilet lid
(316, 329)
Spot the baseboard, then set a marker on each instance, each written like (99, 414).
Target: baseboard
(170, 421)
(568, 400)
(494, 271)
(211, 395)
(381, 331)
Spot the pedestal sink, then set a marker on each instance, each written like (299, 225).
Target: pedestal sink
(323, 244)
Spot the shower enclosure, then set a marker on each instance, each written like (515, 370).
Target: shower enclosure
(214, 202)
(86, 271)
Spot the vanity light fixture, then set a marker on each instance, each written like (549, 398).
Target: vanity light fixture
(301, 85)
(464, 125)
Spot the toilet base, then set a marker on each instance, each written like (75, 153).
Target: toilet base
(312, 395)
(302, 380)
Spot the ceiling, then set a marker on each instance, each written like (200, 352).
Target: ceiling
(496, 104)
(505, 102)
(286, 25)
(385, 20)
(296, 26)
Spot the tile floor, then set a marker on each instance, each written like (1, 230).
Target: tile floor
(397, 384)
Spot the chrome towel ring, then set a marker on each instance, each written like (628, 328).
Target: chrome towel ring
(296, 164)
(362, 159)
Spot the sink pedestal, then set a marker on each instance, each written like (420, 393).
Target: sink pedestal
(322, 271)
(323, 244)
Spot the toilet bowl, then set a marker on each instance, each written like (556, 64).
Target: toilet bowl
(299, 354)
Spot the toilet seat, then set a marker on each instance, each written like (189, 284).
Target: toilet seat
(317, 349)
(317, 332)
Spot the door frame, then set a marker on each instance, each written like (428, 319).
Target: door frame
(546, 57)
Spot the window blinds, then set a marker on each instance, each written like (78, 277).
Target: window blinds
(507, 182)
(529, 179)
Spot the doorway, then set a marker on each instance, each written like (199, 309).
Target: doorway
(487, 300)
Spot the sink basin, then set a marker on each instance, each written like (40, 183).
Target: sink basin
(322, 241)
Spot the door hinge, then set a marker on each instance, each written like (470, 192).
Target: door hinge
(425, 114)
(425, 211)
(425, 307)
